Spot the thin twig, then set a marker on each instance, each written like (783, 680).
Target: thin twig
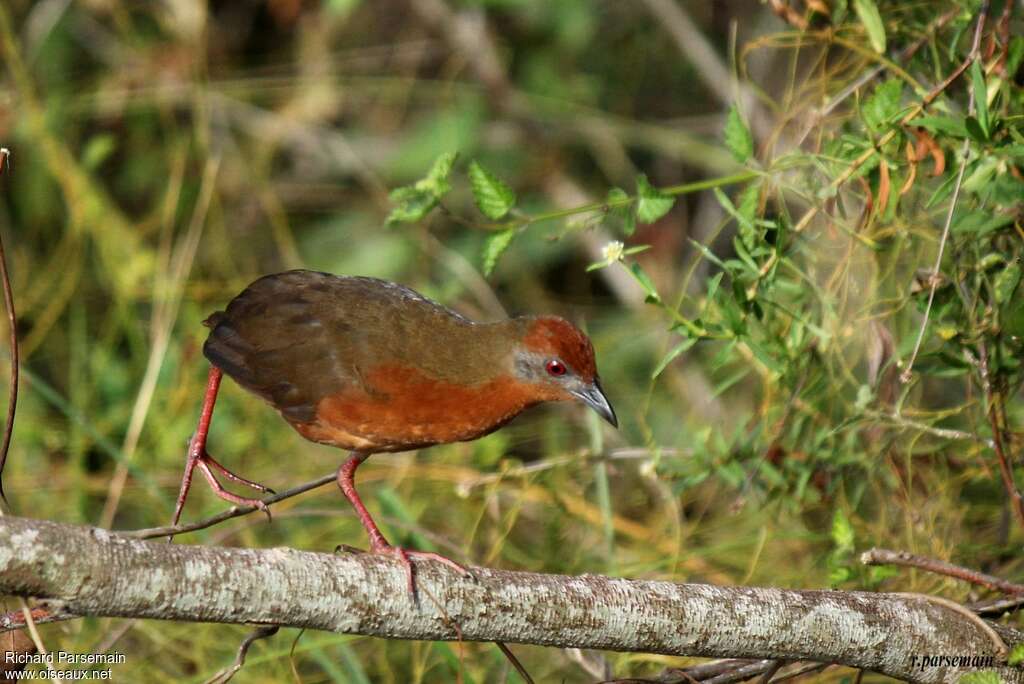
(15, 619)
(996, 607)
(938, 567)
(993, 399)
(12, 395)
(261, 632)
(813, 667)
(974, 55)
(30, 623)
(771, 671)
(741, 673)
(716, 667)
(515, 662)
(233, 512)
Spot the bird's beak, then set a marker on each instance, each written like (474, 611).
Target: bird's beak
(593, 396)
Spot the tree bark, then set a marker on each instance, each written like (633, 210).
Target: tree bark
(90, 571)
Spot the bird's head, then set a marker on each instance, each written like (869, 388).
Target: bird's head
(556, 358)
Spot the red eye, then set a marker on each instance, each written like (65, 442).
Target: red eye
(555, 367)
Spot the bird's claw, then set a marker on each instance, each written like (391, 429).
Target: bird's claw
(263, 507)
(406, 557)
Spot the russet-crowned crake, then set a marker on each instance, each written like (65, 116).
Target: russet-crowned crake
(372, 366)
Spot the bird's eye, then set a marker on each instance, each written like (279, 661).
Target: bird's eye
(555, 367)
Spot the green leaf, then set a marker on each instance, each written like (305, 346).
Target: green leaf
(867, 12)
(410, 204)
(413, 202)
(942, 124)
(763, 355)
(749, 234)
(97, 150)
(737, 136)
(619, 206)
(980, 96)
(1014, 55)
(651, 203)
(672, 354)
(708, 254)
(493, 248)
(979, 223)
(1006, 282)
(1016, 655)
(883, 105)
(645, 282)
(436, 180)
(748, 202)
(713, 283)
(975, 130)
(492, 196)
(842, 531)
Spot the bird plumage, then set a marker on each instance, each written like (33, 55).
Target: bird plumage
(362, 363)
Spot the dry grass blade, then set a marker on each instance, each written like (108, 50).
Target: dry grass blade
(12, 322)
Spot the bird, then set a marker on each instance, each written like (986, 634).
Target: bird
(371, 366)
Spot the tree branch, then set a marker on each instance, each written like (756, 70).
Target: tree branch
(89, 571)
(910, 560)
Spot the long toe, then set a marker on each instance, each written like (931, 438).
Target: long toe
(438, 558)
(407, 557)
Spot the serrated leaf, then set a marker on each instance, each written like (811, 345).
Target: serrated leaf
(748, 202)
(436, 180)
(410, 204)
(651, 203)
(492, 196)
(867, 12)
(749, 234)
(737, 136)
(980, 97)
(618, 202)
(1006, 282)
(882, 106)
(672, 354)
(494, 247)
(413, 202)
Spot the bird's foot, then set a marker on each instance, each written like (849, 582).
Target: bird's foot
(204, 463)
(407, 556)
(236, 478)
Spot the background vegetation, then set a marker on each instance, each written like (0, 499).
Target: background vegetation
(813, 161)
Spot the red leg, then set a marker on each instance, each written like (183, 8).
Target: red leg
(378, 544)
(197, 456)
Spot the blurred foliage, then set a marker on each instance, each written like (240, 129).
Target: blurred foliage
(752, 259)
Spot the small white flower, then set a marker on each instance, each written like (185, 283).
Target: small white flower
(612, 252)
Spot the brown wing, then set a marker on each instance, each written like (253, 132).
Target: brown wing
(296, 337)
